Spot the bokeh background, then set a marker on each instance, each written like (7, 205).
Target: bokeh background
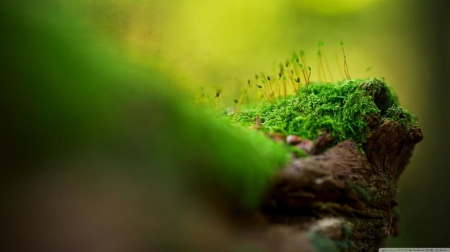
(221, 44)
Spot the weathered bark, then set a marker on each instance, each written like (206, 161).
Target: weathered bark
(340, 199)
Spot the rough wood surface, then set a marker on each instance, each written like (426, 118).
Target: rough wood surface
(340, 199)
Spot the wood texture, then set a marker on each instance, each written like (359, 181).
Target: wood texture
(340, 199)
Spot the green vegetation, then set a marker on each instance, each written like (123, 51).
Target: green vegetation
(401, 116)
(341, 109)
(67, 99)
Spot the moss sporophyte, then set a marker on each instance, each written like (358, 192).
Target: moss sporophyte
(342, 109)
(290, 104)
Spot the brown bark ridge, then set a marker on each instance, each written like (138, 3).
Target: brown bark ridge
(340, 199)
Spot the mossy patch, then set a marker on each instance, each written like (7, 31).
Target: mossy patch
(342, 109)
(401, 116)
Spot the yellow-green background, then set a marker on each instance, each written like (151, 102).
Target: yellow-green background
(220, 44)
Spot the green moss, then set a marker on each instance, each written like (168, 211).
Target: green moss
(402, 116)
(245, 160)
(341, 109)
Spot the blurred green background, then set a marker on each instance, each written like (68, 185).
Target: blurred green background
(220, 44)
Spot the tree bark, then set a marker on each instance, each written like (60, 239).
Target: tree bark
(340, 199)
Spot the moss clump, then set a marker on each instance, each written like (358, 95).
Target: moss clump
(401, 116)
(341, 109)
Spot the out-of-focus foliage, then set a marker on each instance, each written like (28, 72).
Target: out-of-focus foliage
(98, 152)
